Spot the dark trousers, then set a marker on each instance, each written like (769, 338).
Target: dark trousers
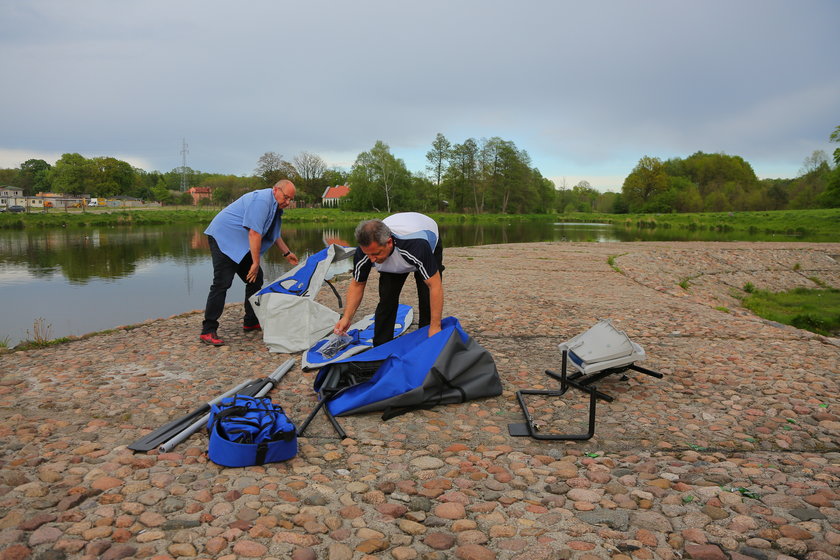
(224, 269)
(390, 286)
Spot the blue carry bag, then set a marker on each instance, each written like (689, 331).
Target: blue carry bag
(247, 431)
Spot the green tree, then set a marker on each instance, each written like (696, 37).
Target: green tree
(335, 176)
(505, 172)
(584, 196)
(421, 195)
(647, 180)
(438, 158)
(686, 195)
(544, 201)
(72, 174)
(183, 198)
(606, 202)
(33, 176)
(9, 177)
(711, 171)
(830, 197)
(806, 190)
(161, 192)
(112, 177)
(462, 177)
(377, 179)
(776, 193)
(717, 202)
(222, 195)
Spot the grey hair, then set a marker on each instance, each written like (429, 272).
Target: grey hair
(371, 231)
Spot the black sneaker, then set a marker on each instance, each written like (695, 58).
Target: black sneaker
(211, 338)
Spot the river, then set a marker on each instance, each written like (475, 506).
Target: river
(69, 282)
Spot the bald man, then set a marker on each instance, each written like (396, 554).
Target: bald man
(238, 237)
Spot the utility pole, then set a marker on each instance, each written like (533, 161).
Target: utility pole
(184, 152)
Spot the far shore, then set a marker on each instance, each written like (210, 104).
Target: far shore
(821, 224)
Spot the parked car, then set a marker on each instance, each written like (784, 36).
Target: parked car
(16, 208)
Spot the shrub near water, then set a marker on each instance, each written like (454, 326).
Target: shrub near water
(815, 310)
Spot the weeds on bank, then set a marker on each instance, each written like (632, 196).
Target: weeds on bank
(815, 310)
(39, 337)
(40, 331)
(819, 282)
(611, 262)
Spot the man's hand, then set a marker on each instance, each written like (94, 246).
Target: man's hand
(252, 272)
(341, 326)
(293, 259)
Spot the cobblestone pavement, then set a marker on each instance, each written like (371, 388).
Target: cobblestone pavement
(734, 453)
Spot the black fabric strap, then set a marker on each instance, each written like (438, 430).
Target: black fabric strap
(262, 450)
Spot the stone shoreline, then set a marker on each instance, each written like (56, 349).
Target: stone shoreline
(734, 453)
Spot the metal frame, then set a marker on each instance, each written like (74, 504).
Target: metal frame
(321, 404)
(329, 387)
(531, 428)
(579, 381)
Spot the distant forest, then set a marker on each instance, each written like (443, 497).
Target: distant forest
(487, 176)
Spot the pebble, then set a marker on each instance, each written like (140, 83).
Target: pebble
(734, 453)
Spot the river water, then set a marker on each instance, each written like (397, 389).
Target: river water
(62, 282)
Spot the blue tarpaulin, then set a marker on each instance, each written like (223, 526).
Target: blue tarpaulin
(412, 371)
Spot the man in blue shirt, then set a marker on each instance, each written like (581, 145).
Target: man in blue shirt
(238, 237)
(403, 243)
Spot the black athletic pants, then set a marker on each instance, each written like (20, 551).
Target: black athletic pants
(390, 286)
(224, 269)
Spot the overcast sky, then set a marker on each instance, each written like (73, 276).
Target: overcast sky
(586, 88)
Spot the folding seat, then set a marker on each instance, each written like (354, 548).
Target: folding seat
(593, 355)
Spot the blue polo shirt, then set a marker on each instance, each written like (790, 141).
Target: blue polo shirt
(256, 210)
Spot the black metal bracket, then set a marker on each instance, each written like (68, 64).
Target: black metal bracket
(579, 378)
(334, 382)
(322, 402)
(579, 381)
(531, 428)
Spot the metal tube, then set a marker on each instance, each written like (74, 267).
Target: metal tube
(271, 381)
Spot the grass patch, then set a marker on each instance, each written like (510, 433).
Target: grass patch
(815, 310)
(819, 282)
(685, 283)
(722, 308)
(611, 262)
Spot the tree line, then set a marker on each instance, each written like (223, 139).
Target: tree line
(718, 182)
(489, 175)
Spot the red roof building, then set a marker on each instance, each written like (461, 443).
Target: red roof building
(333, 195)
(199, 193)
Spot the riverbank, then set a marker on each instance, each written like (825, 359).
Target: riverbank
(734, 453)
(819, 225)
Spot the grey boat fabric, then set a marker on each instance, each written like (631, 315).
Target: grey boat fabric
(412, 372)
(290, 317)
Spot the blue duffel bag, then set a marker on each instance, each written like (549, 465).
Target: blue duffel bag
(247, 431)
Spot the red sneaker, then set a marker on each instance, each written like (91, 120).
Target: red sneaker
(211, 338)
(249, 328)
